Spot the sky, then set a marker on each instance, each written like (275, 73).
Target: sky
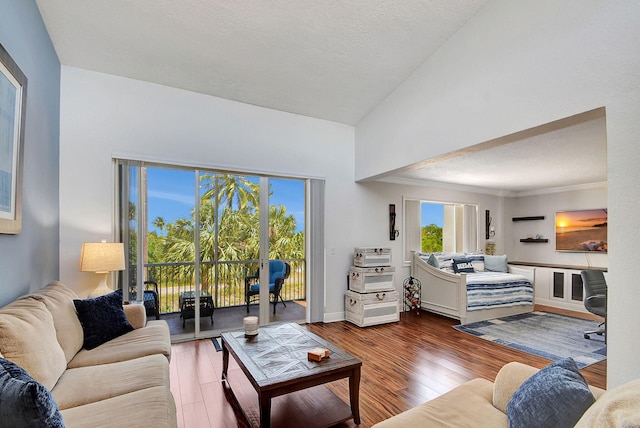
(171, 195)
(569, 220)
(432, 214)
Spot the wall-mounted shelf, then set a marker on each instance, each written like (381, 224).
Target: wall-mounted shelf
(533, 240)
(537, 217)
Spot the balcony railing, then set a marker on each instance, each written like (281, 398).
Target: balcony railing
(224, 280)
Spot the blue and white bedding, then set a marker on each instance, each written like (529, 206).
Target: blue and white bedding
(487, 290)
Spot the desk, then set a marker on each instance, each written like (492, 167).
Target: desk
(187, 302)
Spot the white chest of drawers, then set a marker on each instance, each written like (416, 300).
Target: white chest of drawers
(371, 298)
(365, 309)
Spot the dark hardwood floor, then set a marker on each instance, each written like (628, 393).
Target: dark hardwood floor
(404, 364)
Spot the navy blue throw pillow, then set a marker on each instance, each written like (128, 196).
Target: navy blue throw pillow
(556, 396)
(24, 402)
(462, 265)
(102, 318)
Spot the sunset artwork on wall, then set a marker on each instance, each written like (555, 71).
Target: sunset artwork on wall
(584, 230)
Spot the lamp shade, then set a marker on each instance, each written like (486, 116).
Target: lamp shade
(101, 257)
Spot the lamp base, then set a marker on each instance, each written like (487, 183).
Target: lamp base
(102, 287)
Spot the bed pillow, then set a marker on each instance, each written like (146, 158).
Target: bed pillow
(25, 402)
(445, 260)
(496, 263)
(433, 261)
(556, 396)
(477, 260)
(102, 318)
(463, 265)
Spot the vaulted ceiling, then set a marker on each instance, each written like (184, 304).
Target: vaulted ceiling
(324, 59)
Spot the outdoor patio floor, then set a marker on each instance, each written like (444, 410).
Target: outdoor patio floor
(231, 318)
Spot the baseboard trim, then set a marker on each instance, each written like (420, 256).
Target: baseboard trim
(334, 317)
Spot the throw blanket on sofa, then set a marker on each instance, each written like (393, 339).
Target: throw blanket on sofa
(496, 289)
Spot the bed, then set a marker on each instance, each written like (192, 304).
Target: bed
(472, 297)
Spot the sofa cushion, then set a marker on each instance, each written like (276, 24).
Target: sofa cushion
(452, 409)
(150, 407)
(154, 338)
(462, 264)
(58, 298)
(102, 318)
(29, 339)
(496, 263)
(24, 402)
(556, 396)
(616, 407)
(110, 380)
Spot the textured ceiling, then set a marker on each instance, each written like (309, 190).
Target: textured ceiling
(333, 60)
(568, 152)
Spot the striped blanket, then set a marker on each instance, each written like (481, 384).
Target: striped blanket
(487, 290)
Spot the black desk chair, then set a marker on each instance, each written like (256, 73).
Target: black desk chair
(595, 299)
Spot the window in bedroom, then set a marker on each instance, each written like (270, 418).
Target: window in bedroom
(432, 226)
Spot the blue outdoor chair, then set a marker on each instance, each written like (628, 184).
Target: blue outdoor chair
(278, 272)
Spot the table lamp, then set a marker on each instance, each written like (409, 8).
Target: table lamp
(101, 258)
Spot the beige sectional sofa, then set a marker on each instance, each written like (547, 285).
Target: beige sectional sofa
(123, 382)
(481, 403)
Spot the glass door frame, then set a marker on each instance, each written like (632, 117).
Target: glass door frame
(123, 172)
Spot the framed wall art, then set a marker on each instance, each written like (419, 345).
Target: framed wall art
(582, 230)
(13, 97)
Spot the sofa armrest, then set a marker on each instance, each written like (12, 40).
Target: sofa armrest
(507, 382)
(136, 314)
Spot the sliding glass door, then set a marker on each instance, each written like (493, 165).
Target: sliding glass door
(207, 243)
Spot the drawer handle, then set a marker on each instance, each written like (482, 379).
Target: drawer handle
(383, 296)
(379, 270)
(354, 275)
(352, 302)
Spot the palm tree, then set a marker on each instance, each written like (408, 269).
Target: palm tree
(227, 188)
(232, 216)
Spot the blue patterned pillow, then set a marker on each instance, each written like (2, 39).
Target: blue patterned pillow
(556, 396)
(102, 318)
(24, 402)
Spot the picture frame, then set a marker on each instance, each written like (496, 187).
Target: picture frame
(582, 230)
(13, 99)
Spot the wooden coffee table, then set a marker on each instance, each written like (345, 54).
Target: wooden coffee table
(275, 363)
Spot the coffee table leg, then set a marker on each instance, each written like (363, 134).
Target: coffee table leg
(265, 410)
(225, 360)
(354, 394)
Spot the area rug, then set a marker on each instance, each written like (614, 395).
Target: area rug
(545, 334)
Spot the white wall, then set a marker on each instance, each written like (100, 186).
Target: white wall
(547, 205)
(104, 116)
(514, 66)
(373, 211)
(29, 260)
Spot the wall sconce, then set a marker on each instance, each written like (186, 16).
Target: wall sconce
(101, 258)
(393, 233)
(489, 231)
